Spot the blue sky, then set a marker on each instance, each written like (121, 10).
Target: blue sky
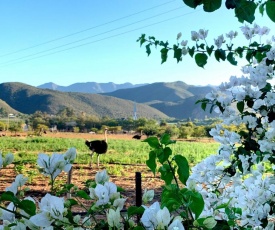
(69, 41)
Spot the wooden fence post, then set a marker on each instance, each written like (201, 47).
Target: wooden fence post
(138, 192)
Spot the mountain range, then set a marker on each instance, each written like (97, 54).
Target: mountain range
(89, 87)
(157, 100)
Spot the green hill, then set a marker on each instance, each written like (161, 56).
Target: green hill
(28, 99)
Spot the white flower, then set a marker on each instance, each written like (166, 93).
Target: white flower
(184, 51)
(148, 195)
(20, 180)
(194, 36)
(52, 208)
(176, 225)
(219, 41)
(70, 155)
(51, 166)
(103, 193)
(7, 160)
(6, 215)
(148, 218)
(203, 34)
(100, 193)
(163, 218)
(232, 34)
(271, 54)
(113, 218)
(101, 177)
(119, 203)
(184, 42)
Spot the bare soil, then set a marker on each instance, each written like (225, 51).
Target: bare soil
(39, 185)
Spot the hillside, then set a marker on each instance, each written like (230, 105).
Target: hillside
(6, 107)
(89, 87)
(28, 99)
(175, 99)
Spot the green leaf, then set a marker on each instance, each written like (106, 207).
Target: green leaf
(142, 39)
(164, 55)
(165, 139)
(245, 11)
(209, 50)
(191, 51)
(220, 55)
(183, 168)
(201, 59)
(83, 195)
(163, 157)
(259, 56)
(28, 206)
(166, 174)
(261, 9)
(134, 210)
(197, 203)
(211, 5)
(231, 59)
(270, 10)
(177, 53)
(148, 49)
(151, 162)
(239, 51)
(9, 196)
(192, 3)
(72, 202)
(254, 44)
(249, 55)
(153, 142)
(171, 197)
(203, 106)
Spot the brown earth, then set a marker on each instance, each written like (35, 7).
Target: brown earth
(38, 184)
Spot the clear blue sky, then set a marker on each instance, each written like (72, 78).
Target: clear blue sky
(99, 41)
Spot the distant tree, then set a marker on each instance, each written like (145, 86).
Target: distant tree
(185, 131)
(2, 126)
(199, 131)
(15, 127)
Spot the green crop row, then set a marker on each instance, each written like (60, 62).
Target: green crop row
(119, 151)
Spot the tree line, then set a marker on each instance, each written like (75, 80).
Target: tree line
(66, 120)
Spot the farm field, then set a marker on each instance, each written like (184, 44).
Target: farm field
(125, 156)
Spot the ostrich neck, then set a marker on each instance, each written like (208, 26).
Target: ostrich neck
(105, 134)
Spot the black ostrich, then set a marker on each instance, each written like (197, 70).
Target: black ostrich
(137, 136)
(98, 146)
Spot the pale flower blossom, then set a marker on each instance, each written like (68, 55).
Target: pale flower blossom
(271, 54)
(232, 34)
(203, 34)
(219, 41)
(113, 218)
(184, 42)
(101, 177)
(194, 36)
(52, 208)
(148, 195)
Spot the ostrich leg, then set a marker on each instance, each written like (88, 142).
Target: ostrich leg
(98, 160)
(91, 159)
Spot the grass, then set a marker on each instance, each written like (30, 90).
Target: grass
(119, 151)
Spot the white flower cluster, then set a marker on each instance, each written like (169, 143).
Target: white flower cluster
(105, 193)
(53, 165)
(251, 189)
(156, 218)
(8, 159)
